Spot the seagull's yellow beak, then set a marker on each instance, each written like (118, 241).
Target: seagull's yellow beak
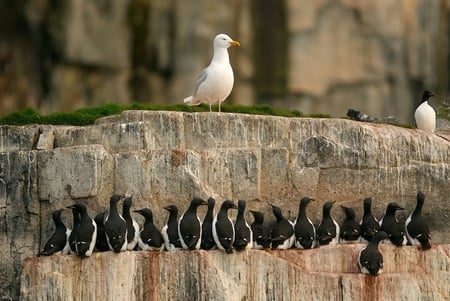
(235, 43)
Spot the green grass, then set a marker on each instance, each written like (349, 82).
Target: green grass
(87, 116)
(444, 111)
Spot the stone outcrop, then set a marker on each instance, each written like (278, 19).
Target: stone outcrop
(327, 273)
(169, 157)
(322, 57)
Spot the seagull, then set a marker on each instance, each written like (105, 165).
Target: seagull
(425, 115)
(215, 82)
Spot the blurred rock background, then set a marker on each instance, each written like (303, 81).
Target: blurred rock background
(321, 56)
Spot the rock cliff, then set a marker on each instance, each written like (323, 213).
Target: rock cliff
(169, 157)
(327, 273)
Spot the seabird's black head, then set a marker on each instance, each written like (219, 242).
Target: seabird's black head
(349, 212)
(147, 213)
(258, 216)
(115, 198)
(172, 209)
(327, 207)
(241, 205)
(127, 202)
(426, 95)
(277, 212)
(57, 214)
(305, 201)
(392, 207)
(100, 218)
(367, 203)
(197, 202)
(80, 207)
(379, 236)
(228, 204)
(420, 198)
(211, 202)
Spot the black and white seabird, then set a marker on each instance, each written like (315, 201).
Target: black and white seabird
(115, 227)
(132, 225)
(349, 230)
(282, 235)
(417, 230)
(59, 241)
(392, 227)
(305, 232)
(207, 234)
(425, 115)
(370, 259)
(170, 230)
(328, 229)
(189, 226)
(368, 225)
(261, 235)
(101, 244)
(149, 237)
(243, 238)
(76, 221)
(84, 233)
(223, 228)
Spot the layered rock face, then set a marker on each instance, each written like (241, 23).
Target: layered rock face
(327, 273)
(165, 158)
(318, 57)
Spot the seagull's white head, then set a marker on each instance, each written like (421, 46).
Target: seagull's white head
(224, 41)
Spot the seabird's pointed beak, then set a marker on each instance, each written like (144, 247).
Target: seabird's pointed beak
(235, 43)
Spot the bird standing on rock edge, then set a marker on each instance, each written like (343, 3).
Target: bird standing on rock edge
(261, 235)
(170, 230)
(207, 234)
(101, 245)
(370, 259)
(243, 238)
(349, 230)
(392, 227)
(282, 235)
(425, 115)
(417, 230)
(223, 228)
(328, 229)
(368, 225)
(305, 232)
(190, 226)
(149, 237)
(215, 82)
(59, 241)
(115, 227)
(132, 225)
(84, 233)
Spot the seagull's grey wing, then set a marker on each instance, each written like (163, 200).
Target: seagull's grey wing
(201, 78)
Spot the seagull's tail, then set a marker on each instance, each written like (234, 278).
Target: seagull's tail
(190, 101)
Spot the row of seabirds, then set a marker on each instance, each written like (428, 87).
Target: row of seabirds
(111, 230)
(215, 83)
